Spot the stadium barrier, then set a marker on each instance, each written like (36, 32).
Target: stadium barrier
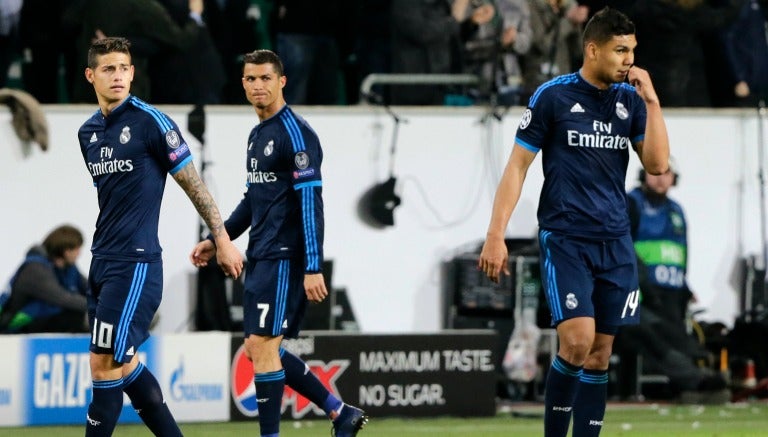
(205, 377)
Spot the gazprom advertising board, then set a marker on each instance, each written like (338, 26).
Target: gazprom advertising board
(47, 379)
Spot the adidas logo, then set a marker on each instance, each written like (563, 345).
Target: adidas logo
(130, 351)
(93, 138)
(577, 108)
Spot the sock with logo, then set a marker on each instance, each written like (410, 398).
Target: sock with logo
(269, 396)
(300, 378)
(559, 394)
(589, 407)
(105, 407)
(147, 399)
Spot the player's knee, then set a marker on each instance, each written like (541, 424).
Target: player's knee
(104, 367)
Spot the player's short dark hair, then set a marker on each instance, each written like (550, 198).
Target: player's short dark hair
(259, 57)
(61, 239)
(104, 46)
(606, 24)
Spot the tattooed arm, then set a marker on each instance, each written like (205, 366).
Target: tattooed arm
(228, 255)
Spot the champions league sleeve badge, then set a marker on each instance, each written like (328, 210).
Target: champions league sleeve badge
(526, 120)
(302, 160)
(172, 138)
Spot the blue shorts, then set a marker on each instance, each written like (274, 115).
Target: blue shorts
(274, 301)
(122, 300)
(590, 278)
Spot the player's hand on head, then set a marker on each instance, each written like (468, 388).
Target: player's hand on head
(229, 258)
(314, 286)
(493, 259)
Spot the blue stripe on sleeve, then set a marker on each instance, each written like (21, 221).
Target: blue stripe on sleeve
(527, 146)
(293, 131)
(568, 78)
(310, 228)
(308, 184)
(159, 117)
(181, 165)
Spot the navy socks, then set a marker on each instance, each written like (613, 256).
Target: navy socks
(589, 408)
(147, 399)
(269, 395)
(300, 378)
(104, 410)
(559, 395)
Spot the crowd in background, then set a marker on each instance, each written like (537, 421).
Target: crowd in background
(700, 53)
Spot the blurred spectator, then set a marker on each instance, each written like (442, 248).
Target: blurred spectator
(47, 292)
(746, 53)
(426, 40)
(371, 48)
(202, 75)
(557, 26)
(49, 50)
(306, 39)
(146, 23)
(492, 50)
(10, 11)
(234, 26)
(671, 51)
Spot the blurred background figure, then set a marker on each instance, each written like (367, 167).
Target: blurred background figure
(426, 40)
(146, 23)
(663, 338)
(746, 53)
(371, 48)
(235, 27)
(307, 35)
(492, 49)
(678, 45)
(10, 12)
(191, 75)
(47, 292)
(556, 45)
(48, 47)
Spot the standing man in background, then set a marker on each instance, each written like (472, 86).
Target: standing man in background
(129, 147)
(283, 207)
(584, 123)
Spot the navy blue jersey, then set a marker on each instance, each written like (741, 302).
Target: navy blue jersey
(283, 202)
(128, 154)
(584, 134)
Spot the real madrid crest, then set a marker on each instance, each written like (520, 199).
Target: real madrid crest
(621, 111)
(269, 148)
(172, 138)
(301, 160)
(570, 301)
(125, 135)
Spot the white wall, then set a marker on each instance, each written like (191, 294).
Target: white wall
(447, 164)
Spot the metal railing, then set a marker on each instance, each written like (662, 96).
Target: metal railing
(412, 79)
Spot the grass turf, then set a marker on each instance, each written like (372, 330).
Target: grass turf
(641, 420)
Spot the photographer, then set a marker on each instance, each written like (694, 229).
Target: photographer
(491, 50)
(556, 43)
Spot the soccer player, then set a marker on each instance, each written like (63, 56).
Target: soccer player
(584, 124)
(129, 147)
(283, 207)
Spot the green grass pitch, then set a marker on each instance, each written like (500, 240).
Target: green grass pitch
(640, 420)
